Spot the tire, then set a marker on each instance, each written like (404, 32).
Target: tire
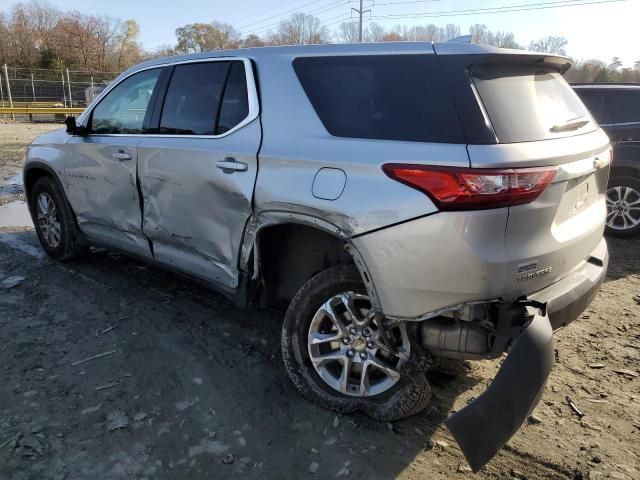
(409, 395)
(67, 244)
(615, 226)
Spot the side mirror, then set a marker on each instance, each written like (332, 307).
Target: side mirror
(73, 128)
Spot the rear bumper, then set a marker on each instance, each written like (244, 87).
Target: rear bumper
(566, 299)
(485, 425)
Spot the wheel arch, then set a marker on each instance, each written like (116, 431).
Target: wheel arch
(625, 169)
(286, 253)
(33, 172)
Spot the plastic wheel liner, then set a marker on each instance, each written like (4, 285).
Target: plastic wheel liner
(486, 424)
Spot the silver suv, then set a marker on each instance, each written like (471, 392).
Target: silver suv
(403, 202)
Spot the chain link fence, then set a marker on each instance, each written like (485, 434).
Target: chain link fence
(42, 88)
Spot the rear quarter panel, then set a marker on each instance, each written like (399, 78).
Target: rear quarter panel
(296, 145)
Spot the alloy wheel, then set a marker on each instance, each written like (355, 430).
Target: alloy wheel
(351, 351)
(623, 207)
(48, 221)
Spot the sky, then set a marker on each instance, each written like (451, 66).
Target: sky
(601, 30)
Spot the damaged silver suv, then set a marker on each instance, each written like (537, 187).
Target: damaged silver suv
(403, 202)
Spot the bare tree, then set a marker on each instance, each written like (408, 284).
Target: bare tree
(553, 45)
(505, 40)
(300, 29)
(451, 31)
(347, 32)
(223, 36)
(374, 32)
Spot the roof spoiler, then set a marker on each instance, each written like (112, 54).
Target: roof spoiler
(559, 64)
(461, 39)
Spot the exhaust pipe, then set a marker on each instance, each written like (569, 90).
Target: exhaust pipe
(446, 337)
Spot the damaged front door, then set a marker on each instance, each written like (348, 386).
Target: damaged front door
(197, 169)
(101, 166)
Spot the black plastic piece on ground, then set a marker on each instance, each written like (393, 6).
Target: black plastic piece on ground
(484, 426)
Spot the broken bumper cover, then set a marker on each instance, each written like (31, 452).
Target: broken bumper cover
(566, 299)
(486, 424)
(483, 427)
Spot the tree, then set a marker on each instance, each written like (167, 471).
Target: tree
(602, 76)
(129, 51)
(479, 33)
(505, 40)
(374, 33)
(201, 37)
(451, 31)
(252, 41)
(193, 37)
(615, 64)
(224, 36)
(300, 29)
(553, 45)
(348, 32)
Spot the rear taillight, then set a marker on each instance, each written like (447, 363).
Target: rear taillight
(453, 188)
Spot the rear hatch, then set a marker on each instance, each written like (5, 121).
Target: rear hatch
(538, 121)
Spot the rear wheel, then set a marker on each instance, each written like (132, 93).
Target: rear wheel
(338, 353)
(53, 220)
(623, 207)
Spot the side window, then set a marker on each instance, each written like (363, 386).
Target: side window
(124, 108)
(624, 106)
(235, 104)
(387, 97)
(595, 103)
(208, 98)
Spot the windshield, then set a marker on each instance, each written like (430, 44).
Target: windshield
(526, 103)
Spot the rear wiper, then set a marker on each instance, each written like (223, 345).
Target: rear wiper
(571, 124)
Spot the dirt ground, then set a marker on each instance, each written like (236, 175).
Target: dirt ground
(184, 385)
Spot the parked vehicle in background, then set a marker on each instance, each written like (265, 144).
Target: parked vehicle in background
(616, 107)
(402, 202)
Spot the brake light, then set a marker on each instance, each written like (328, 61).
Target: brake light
(453, 188)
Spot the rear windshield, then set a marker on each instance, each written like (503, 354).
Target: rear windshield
(390, 97)
(526, 104)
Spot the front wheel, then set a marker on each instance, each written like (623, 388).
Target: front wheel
(53, 221)
(339, 354)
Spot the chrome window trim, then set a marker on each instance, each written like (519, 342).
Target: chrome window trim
(252, 93)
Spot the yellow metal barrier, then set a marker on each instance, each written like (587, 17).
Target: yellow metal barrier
(36, 110)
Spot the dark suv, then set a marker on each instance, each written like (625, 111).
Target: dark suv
(616, 107)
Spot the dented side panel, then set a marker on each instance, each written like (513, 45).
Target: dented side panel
(102, 190)
(194, 213)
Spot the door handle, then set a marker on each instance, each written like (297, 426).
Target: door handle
(230, 165)
(122, 155)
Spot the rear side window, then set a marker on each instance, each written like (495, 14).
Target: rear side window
(208, 98)
(235, 103)
(624, 106)
(525, 103)
(192, 99)
(387, 97)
